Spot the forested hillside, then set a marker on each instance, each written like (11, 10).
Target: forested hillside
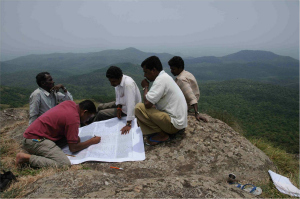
(259, 90)
(264, 111)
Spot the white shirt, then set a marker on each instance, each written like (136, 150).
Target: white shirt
(128, 95)
(41, 101)
(167, 97)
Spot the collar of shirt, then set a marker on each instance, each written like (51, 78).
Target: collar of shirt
(180, 74)
(44, 91)
(161, 72)
(123, 81)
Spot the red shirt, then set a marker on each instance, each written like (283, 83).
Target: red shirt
(58, 122)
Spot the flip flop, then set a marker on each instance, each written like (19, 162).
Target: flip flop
(238, 185)
(157, 141)
(253, 190)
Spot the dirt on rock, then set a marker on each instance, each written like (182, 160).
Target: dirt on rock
(194, 164)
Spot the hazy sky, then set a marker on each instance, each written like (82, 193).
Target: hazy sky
(186, 28)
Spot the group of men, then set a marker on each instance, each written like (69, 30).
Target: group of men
(54, 118)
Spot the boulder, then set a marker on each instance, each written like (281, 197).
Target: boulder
(195, 163)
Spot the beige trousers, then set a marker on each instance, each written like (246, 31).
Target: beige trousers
(153, 121)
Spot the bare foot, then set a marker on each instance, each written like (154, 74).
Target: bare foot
(22, 158)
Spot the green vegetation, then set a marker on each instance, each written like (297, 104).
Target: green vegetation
(13, 97)
(262, 110)
(287, 165)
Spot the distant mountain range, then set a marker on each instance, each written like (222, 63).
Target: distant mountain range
(262, 66)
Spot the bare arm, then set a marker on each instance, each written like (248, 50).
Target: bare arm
(82, 145)
(197, 114)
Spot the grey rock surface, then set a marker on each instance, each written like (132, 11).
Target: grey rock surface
(194, 164)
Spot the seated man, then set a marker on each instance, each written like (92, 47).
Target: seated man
(188, 85)
(127, 96)
(57, 126)
(46, 96)
(170, 114)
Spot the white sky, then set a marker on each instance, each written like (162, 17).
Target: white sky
(186, 28)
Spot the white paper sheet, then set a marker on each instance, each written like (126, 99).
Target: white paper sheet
(284, 185)
(113, 146)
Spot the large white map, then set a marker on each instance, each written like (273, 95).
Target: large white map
(113, 146)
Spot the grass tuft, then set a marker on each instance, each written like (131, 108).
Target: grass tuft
(287, 165)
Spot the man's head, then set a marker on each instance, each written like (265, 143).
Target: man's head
(151, 67)
(114, 75)
(176, 65)
(87, 110)
(45, 81)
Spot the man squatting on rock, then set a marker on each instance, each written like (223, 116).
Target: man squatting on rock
(170, 114)
(127, 96)
(55, 128)
(188, 85)
(46, 96)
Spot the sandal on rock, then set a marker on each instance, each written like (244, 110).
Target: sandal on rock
(253, 190)
(156, 141)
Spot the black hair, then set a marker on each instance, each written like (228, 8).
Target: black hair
(151, 63)
(41, 77)
(88, 105)
(177, 62)
(114, 72)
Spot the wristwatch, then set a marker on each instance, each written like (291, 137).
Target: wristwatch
(128, 124)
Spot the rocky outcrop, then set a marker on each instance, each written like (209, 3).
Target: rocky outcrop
(195, 163)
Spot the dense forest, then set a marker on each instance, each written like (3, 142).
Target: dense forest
(256, 90)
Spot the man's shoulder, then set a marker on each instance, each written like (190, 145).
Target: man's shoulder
(164, 75)
(36, 92)
(185, 75)
(128, 79)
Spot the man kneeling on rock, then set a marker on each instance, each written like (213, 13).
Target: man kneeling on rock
(55, 128)
(170, 114)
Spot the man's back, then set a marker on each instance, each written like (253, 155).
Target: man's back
(189, 86)
(167, 97)
(61, 121)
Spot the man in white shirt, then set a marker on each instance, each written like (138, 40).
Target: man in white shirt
(170, 114)
(127, 96)
(46, 96)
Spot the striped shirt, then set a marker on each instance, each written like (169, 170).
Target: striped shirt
(189, 86)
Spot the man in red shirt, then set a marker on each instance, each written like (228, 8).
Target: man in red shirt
(56, 126)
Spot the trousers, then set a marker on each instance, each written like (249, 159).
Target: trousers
(46, 153)
(153, 121)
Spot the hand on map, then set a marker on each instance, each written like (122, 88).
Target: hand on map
(125, 130)
(96, 139)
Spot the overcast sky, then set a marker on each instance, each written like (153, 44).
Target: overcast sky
(186, 28)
